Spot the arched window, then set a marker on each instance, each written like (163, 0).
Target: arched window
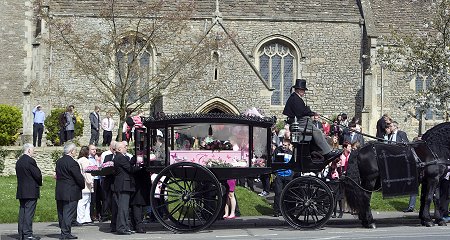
(422, 84)
(278, 66)
(133, 72)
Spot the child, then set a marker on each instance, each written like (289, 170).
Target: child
(230, 205)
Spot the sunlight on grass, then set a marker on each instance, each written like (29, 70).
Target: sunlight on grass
(250, 203)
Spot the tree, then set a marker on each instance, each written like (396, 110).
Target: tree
(116, 53)
(426, 55)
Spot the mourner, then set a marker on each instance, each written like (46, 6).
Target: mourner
(69, 183)
(296, 107)
(29, 179)
(124, 185)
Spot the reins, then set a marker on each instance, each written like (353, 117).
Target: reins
(344, 178)
(364, 134)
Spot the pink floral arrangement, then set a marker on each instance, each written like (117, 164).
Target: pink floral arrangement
(91, 168)
(108, 164)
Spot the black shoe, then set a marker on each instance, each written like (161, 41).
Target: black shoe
(333, 154)
(112, 230)
(32, 238)
(409, 210)
(124, 233)
(141, 231)
(76, 224)
(70, 236)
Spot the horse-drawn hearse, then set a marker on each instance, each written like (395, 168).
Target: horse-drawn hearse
(192, 154)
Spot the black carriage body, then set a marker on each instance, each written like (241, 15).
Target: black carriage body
(190, 153)
(231, 146)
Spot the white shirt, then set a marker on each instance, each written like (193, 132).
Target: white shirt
(108, 124)
(104, 154)
(394, 136)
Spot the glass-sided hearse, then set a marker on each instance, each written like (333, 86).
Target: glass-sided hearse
(191, 155)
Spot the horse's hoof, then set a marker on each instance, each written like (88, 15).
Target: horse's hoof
(370, 225)
(427, 223)
(441, 223)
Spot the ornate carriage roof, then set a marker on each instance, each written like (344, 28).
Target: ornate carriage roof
(183, 118)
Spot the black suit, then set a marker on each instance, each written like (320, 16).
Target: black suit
(296, 107)
(401, 137)
(29, 179)
(124, 185)
(109, 204)
(356, 138)
(69, 183)
(140, 198)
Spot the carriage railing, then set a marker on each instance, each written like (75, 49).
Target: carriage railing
(214, 141)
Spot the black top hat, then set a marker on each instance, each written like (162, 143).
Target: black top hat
(300, 84)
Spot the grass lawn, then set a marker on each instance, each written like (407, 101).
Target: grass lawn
(250, 203)
(9, 205)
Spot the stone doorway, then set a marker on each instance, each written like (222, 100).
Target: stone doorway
(217, 105)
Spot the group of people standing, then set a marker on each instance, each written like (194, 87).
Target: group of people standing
(76, 189)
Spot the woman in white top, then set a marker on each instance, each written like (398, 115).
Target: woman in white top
(84, 204)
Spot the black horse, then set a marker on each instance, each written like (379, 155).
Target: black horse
(366, 173)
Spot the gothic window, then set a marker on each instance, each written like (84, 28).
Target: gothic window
(422, 83)
(277, 66)
(133, 72)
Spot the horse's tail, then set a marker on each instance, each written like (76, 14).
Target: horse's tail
(357, 199)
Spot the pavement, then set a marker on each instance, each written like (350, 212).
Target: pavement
(98, 231)
(50, 230)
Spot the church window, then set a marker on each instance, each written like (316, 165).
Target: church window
(133, 71)
(277, 66)
(422, 83)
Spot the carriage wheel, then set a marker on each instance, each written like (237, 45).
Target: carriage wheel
(186, 197)
(306, 202)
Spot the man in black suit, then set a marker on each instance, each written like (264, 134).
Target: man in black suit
(124, 185)
(107, 182)
(69, 183)
(353, 136)
(296, 107)
(397, 135)
(29, 179)
(94, 118)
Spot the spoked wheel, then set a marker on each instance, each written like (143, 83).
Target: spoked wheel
(186, 197)
(306, 203)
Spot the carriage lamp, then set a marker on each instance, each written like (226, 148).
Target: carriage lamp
(295, 131)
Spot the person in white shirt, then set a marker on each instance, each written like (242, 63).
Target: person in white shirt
(108, 127)
(84, 204)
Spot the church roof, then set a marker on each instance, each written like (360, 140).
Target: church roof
(289, 10)
(406, 16)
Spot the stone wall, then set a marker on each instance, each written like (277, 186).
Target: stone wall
(14, 48)
(43, 156)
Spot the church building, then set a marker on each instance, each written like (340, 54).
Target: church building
(332, 44)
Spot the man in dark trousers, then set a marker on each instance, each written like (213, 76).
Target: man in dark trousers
(69, 183)
(296, 107)
(124, 186)
(107, 183)
(29, 179)
(94, 119)
(140, 198)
